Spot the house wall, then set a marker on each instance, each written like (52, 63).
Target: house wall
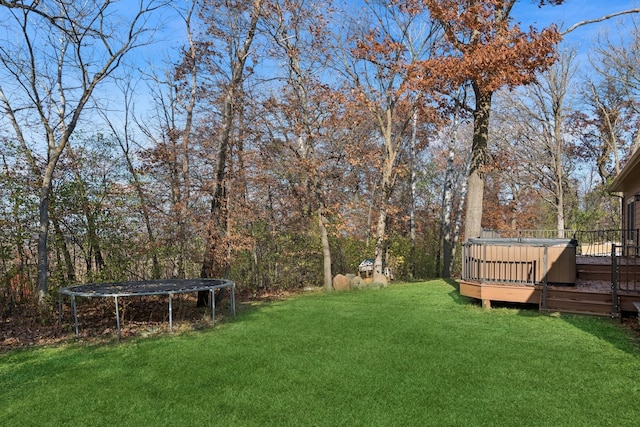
(632, 189)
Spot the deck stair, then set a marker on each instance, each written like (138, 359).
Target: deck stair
(579, 302)
(594, 272)
(602, 271)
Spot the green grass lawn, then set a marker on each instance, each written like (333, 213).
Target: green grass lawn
(407, 355)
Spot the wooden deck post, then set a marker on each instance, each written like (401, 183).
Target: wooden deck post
(486, 304)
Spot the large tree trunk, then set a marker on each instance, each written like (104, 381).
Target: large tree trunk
(475, 188)
(215, 263)
(389, 163)
(381, 241)
(326, 252)
(43, 236)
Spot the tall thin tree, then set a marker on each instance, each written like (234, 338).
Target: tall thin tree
(62, 53)
(243, 22)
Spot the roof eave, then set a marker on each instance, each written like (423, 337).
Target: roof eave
(617, 185)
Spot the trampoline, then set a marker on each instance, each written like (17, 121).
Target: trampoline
(168, 287)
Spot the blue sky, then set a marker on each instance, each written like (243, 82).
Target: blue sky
(571, 12)
(527, 13)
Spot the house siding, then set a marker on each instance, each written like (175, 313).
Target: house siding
(630, 194)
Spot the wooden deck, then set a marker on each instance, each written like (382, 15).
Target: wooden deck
(591, 293)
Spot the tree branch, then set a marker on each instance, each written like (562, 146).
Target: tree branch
(53, 19)
(593, 21)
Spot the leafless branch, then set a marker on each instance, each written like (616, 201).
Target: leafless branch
(602, 18)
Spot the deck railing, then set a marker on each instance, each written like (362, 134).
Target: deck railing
(625, 271)
(527, 234)
(598, 243)
(508, 264)
(505, 259)
(625, 268)
(590, 242)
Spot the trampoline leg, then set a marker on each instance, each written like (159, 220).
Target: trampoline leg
(117, 316)
(59, 309)
(213, 308)
(75, 312)
(170, 314)
(233, 300)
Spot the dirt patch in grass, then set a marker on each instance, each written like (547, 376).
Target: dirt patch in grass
(27, 325)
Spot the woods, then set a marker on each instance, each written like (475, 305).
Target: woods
(280, 142)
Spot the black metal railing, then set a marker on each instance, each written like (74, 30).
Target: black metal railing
(525, 259)
(590, 242)
(527, 234)
(485, 262)
(625, 268)
(598, 243)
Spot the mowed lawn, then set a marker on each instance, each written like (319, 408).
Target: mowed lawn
(408, 355)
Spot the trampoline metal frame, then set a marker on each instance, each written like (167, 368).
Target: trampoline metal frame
(146, 288)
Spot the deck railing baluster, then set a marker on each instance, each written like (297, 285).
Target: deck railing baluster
(494, 261)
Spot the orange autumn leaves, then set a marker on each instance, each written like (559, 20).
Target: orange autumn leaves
(480, 44)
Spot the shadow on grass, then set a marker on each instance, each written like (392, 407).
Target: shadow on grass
(606, 329)
(453, 282)
(455, 294)
(248, 309)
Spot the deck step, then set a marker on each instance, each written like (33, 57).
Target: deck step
(603, 272)
(576, 295)
(594, 271)
(594, 275)
(580, 302)
(564, 302)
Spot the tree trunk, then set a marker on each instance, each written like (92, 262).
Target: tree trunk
(447, 209)
(412, 207)
(61, 243)
(457, 223)
(43, 226)
(559, 172)
(380, 239)
(326, 252)
(216, 262)
(475, 187)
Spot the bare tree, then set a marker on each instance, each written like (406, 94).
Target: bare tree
(376, 67)
(454, 192)
(298, 30)
(62, 52)
(123, 135)
(233, 24)
(536, 120)
(614, 94)
(170, 131)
